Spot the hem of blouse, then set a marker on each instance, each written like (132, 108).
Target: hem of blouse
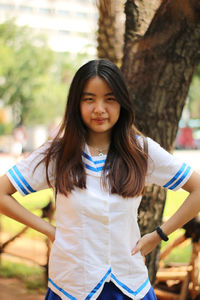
(59, 291)
(130, 293)
(96, 289)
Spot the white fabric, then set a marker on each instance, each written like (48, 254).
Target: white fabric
(95, 230)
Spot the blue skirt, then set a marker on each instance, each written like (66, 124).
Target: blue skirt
(109, 292)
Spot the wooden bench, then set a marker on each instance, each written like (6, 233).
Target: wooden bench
(170, 276)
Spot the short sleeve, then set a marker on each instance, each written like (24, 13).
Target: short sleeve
(165, 169)
(29, 175)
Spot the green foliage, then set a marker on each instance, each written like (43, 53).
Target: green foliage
(194, 96)
(24, 58)
(32, 276)
(33, 79)
(49, 102)
(10, 269)
(179, 255)
(5, 128)
(34, 200)
(173, 202)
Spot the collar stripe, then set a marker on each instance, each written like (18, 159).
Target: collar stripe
(97, 169)
(96, 162)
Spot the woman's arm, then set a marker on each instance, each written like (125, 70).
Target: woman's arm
(188, 210)
(11, 208)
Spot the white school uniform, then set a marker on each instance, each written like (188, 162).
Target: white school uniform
(95, 230)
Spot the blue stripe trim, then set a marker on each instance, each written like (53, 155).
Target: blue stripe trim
(87, 156)
(181, 179)
(176, 176)
(62, 291)
(97, 287)
(18, 182)
(23, 179)
(96, 162)
(127, 288)
(93, 169)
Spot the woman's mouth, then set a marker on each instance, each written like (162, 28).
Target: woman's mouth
(99, 120)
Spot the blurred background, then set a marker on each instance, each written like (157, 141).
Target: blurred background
(42, 44)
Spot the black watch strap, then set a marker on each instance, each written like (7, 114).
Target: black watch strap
(163, 236)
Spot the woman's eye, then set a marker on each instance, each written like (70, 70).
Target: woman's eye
(88, 99)
(111, 99)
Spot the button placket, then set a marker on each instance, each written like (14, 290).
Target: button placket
(108, 229)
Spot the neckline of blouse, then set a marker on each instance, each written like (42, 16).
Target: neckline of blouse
(96, 156)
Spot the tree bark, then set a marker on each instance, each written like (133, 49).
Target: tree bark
(110, 36)
(158, 68)
(139, 14)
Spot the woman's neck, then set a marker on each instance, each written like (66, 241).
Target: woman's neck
(99, 141)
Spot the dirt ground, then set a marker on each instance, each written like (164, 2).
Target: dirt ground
(33, 251)
(14, 289)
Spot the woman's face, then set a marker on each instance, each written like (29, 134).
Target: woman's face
(99, 108)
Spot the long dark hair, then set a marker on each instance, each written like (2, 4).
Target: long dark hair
(126, 161)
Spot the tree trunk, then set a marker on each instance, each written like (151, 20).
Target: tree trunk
(139, 14)
(110, 35)
(150, 216)
(158, 68)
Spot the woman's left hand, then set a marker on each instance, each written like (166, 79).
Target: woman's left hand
(147, 243)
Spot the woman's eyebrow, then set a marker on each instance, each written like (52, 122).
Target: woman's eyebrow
(88, 93)
(109, 94)
(92, 94)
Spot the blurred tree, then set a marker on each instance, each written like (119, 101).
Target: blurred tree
(158, 67)
(25, 58)
(161, 51)
(194, 96)
(49, 101)
(110, 30)
(33, 78)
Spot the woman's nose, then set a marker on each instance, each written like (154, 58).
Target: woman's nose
(99, 107)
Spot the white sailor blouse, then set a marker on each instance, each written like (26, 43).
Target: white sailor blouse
(95, 230)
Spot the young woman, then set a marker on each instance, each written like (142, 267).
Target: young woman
(98, 169)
